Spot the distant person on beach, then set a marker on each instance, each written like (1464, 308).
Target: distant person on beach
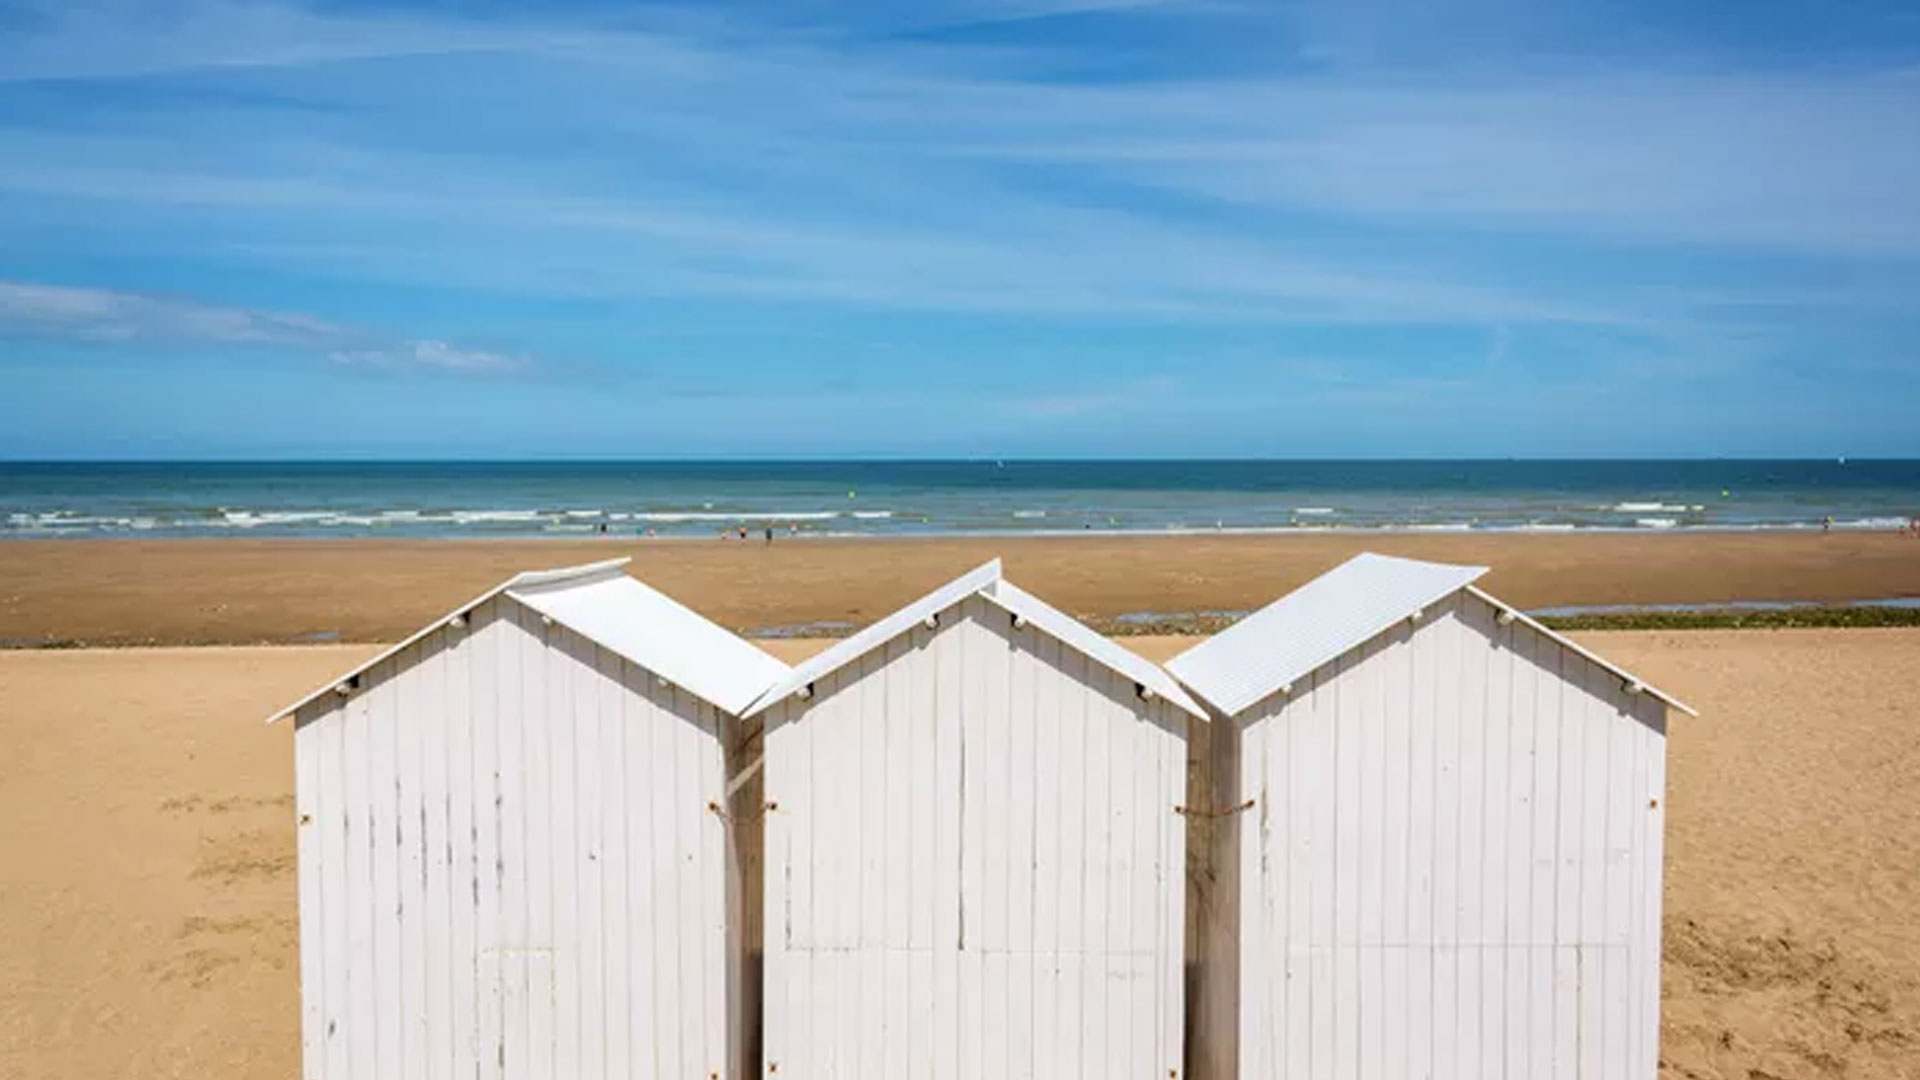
(769, 534)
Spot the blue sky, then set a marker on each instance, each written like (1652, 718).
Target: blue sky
(1026, 227)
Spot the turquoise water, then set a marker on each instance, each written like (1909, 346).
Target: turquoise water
(398, 499)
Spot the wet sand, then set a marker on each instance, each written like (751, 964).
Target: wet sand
(233, 591)
(147, 895)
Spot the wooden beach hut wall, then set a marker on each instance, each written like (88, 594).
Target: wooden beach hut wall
(975, 867)
(1450, 860)
(512, 857)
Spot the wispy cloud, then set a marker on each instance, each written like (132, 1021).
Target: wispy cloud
(62, 312)
(433, 356)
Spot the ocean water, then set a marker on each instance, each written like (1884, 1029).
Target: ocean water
(399, 499)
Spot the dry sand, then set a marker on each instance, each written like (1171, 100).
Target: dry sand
(169, 592)
(147, 892)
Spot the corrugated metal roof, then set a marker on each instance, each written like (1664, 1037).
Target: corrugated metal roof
(601, 603)
(1342, 608)
(1071, 631)
(986, 582)
(659, 633)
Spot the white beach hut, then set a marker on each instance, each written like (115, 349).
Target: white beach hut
(1450, 860)
(975, 867)
(514, 859)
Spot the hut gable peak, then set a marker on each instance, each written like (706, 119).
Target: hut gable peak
(986, 582)
(1328, 617)
(601, 603)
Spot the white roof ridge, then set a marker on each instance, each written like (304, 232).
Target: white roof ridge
(1091, 643)
(1564, 640)
(986, 582)
(690, 653)
(1326, 618)
(876, 634)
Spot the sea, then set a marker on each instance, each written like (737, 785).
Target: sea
(896, 498)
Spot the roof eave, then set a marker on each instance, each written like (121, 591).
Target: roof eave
(848, 649)
(1065, 628)
(524, 579)
(1627, 676)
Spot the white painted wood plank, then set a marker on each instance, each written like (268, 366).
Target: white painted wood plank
(617, 677)
(1073, 930)
(1396, 723)
(383, 783)
(1446, 848)
(1652, 855)
(996, 762)
(1119, 885)
(1470, 669)
(707, 935)
(1172, 891)
(463, 802)
(405, 690)
(868, 833)
(896, 734)
(591, 752)
(338, 819)
(1053, 758)
(712, 867)
(693, 824)
(1566, 986)
(1369, 797)
(537, 720)
(1318, 741)
(1511, 683)
(566, 847)
(948, 646)
(436, 913)
(785, 764)
(1098, 1039)
(310, 819)
(1254, 1017)
(922, 729)
(1543, 703)
(1025, 775)
(1146, 893)
(975, 768)
(1296, 768)
(490, 669)
(1424, 679)
(518, 663)
(359, 754)
(1597, 721)
(1621, 784)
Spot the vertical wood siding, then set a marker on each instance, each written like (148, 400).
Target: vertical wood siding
(509, 867)
(1453, 867)
(974, 870)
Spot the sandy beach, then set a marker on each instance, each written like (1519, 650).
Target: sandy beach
(147, 891)
(171, 592)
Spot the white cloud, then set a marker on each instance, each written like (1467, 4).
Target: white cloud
(105, 315)
(433, 356)
(64, 312)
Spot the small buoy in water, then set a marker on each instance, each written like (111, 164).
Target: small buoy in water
(1724, 493)
(849, 494)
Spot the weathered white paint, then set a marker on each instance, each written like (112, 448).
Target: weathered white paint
(1452, 867)
(512, 864)
(974, 864)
